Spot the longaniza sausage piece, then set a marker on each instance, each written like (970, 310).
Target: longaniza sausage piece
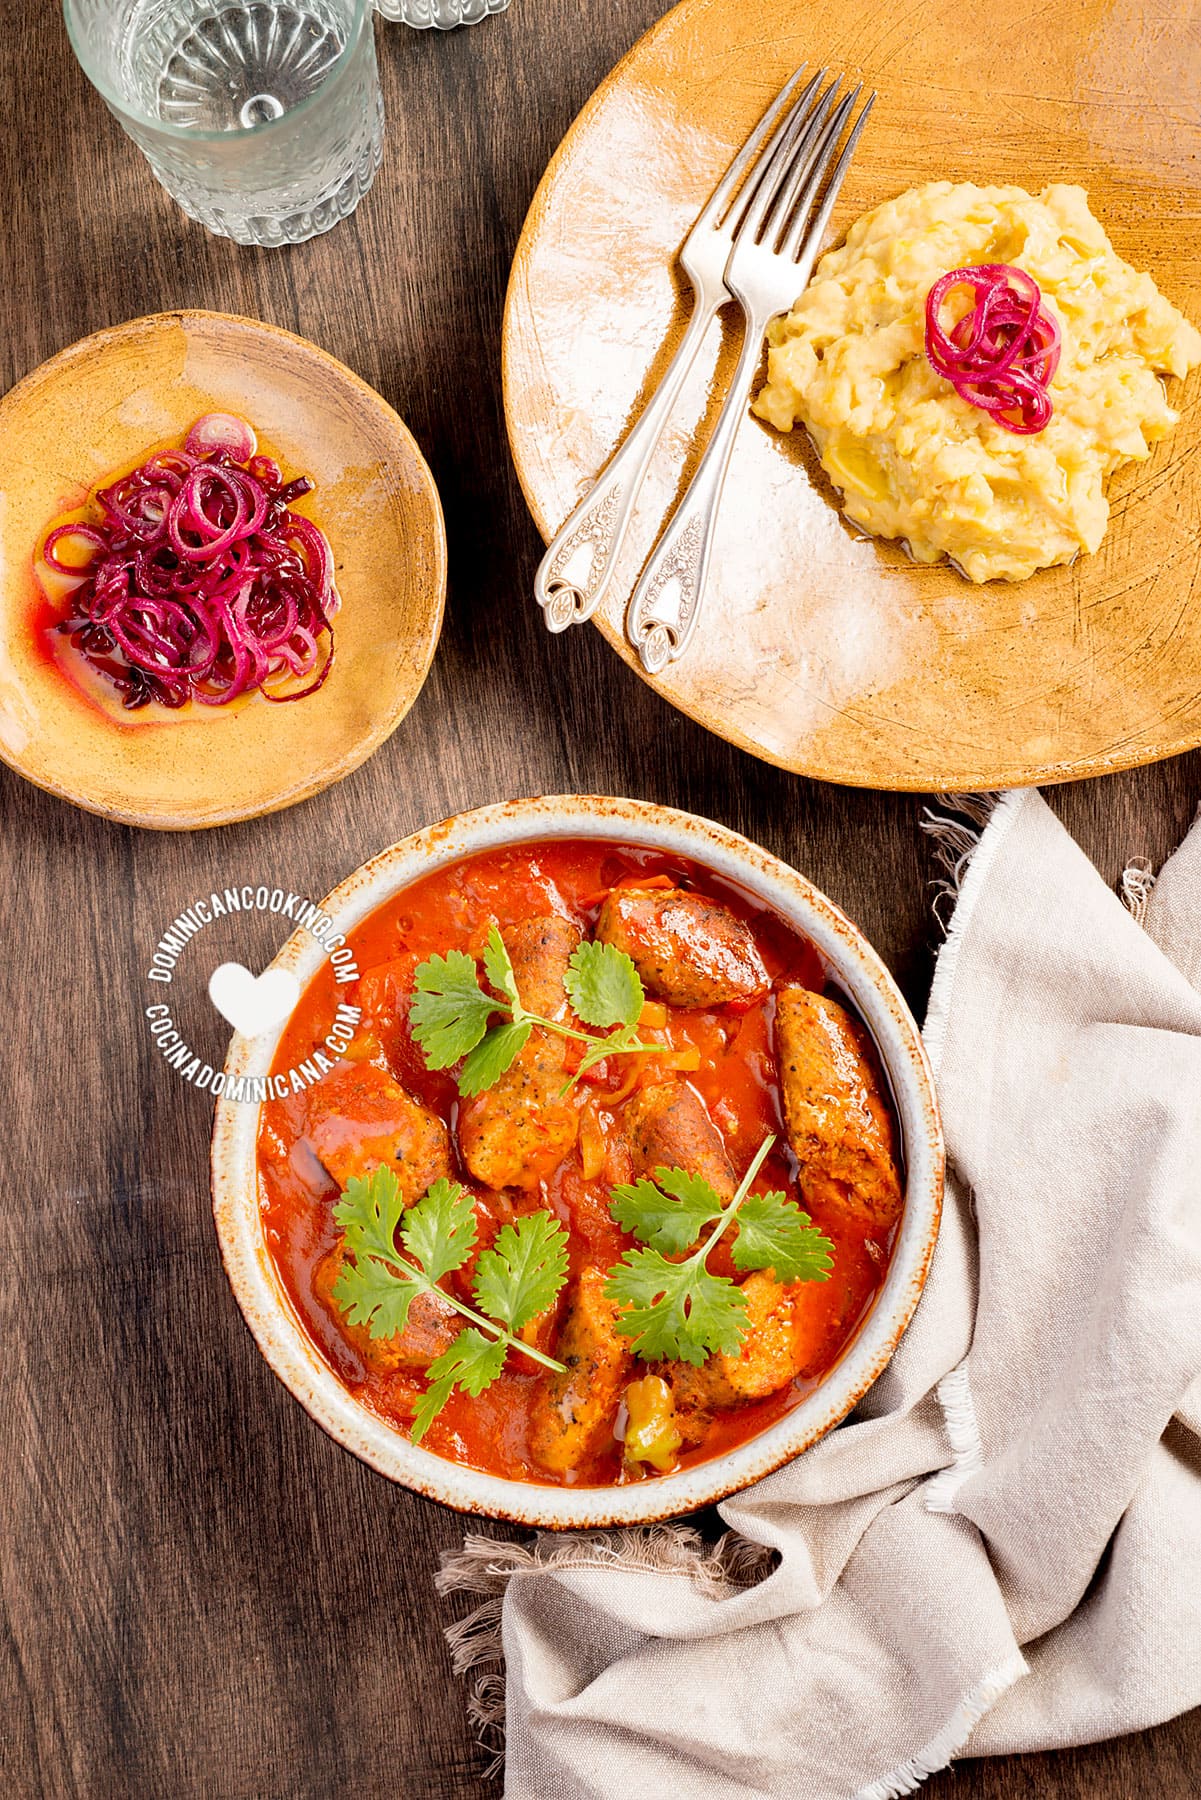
(575, 1411)
(834, 1107)
(540, 950)
(359, 1119)
(519, 1130)
(785, 1337)
(688, 950)
(668, 1126)
(431, 1327)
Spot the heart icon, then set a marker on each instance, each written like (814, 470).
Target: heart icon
(253, 1003)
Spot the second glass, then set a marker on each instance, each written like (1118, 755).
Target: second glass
(444, 14)
(262, 118)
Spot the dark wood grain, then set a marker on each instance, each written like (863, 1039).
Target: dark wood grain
(203, 1598)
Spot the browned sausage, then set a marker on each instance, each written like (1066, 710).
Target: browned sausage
(519, 1130)
(688, 950)
(431, 1327)
(359, 1119)
(838, 1121)
(574, 1412)
(540, 950)
(669, 1127)
(787, 1333)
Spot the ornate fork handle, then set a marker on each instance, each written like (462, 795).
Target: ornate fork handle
(574, 575)
(664, 607)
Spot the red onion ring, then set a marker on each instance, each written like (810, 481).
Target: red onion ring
(86, 534)
(1002, 355)
(222, 432)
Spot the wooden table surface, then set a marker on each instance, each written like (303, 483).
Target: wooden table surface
(203, 1598)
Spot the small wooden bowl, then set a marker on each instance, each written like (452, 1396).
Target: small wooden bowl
(100, 406)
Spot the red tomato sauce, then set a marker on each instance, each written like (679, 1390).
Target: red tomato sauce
(736, 1078)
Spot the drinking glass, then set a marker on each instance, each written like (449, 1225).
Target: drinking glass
(262, 118)
(442, 13)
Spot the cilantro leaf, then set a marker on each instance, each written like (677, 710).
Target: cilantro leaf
(676, 1310)
(369, 1212)
(440, 1231)
(519, 1277)
(450, 1009)
(494, 1053)
(375, 1286)
(773, 1233)
(472, 1362)
(499, 969)
(370, 1294)
(668, 1213)
(624, 1038)
(681, 1310)
(603, 985)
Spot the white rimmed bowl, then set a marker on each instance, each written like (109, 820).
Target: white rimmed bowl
(858, 971)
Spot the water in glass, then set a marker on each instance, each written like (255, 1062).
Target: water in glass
(261, 117)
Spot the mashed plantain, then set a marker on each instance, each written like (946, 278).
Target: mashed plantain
(914, 461)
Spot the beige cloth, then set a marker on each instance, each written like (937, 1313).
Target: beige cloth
(1005, 1539)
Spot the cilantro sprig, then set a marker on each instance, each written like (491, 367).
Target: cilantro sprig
(454, 1018)
(517, 1278)
(680, 1309)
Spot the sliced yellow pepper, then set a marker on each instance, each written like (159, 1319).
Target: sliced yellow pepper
(652, 1435)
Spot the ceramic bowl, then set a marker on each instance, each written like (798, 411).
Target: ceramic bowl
(853, 965)
(98, 407)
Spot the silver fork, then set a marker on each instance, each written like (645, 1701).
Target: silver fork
(772, 258)
(575, 573)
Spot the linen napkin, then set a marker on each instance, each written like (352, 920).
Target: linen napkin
(1002, 1548)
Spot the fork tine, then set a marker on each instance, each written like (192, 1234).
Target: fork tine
(773, 156)
(805, 238)
(807, 168)
(715, 206)
(802, 127)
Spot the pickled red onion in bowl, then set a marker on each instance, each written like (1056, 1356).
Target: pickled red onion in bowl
(193, 579)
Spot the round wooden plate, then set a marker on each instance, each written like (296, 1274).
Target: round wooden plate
(818, 650)
(102, 404)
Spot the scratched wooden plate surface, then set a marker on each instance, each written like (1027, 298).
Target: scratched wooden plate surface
(823, 652)
(98, 407)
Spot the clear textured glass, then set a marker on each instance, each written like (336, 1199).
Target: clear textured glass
(262, 118)
(442, 13)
